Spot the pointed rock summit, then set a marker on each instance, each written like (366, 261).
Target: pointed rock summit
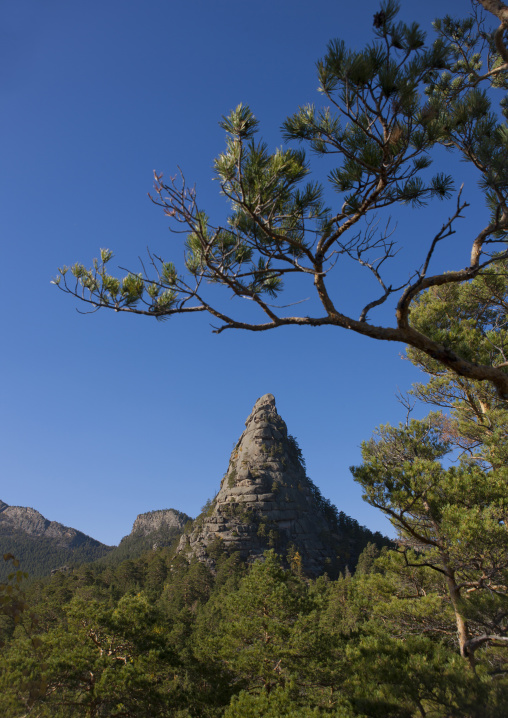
(266, 501)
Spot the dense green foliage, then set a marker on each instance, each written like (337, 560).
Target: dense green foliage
(452, 523)
(161, 637)
(39, 555)
(136, 544)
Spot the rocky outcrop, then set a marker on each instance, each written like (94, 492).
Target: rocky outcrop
(266, 501)
(151, 531)
(154, 521)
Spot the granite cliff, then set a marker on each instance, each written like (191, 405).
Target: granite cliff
(267, 501)
(159, 520)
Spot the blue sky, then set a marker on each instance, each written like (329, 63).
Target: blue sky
(107, 416)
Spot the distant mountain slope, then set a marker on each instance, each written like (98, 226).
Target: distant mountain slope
(153, 529)
(42, 545)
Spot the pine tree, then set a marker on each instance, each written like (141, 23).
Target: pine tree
(388, 109)
(451, 521)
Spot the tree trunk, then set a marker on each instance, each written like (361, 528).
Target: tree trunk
(497, 8)
(462, 627)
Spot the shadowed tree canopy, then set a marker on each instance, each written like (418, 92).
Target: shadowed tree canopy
(387, 111)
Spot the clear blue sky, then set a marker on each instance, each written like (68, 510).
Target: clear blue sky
(107, 416)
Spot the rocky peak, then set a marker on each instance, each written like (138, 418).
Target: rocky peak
(151, 521)
(24, 518)
(151, 530)
(266, 501)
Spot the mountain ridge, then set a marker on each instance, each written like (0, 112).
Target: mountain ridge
(42, 545)
(32, 522)
(265, 500)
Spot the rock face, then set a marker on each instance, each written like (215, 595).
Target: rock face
(153, 521)
(266, 501)
(152, 530)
